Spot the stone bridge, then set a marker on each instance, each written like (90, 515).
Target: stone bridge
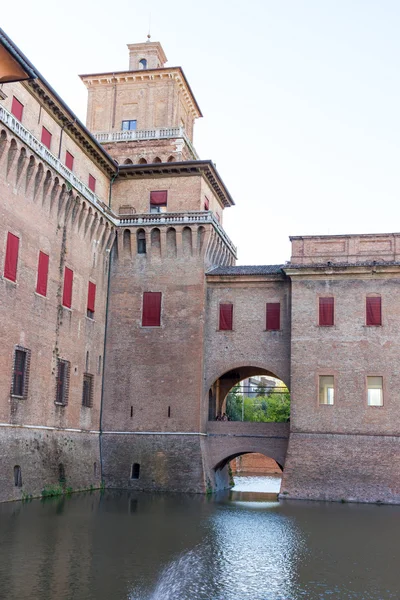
(228, 439)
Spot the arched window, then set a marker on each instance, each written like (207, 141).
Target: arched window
(141, 242)
(157, 159)
(143, 63)
(171, 159)
(142, 161)
(128, 162)
(17, 476)
(61, 473)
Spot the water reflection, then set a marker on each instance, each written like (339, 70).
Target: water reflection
(125, 546)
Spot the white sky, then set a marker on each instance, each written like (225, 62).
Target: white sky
(301, 100)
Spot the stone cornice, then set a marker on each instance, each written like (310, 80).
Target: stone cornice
(247, 280)
(324, 271)
(175, 73)
(206, 168)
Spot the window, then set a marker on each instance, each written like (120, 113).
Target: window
(87, 391)
(141, 242)
(143, 63)
(326, 389)
(373, 310)
(17, 108)
(46, 137)
(17, 476)
(129, 125)
(11, 262)
(42, 274)
(326, 312)
(226, 317)
(273, 316)
(158, 201)
(69, 160)
(20, 375)
(67, 291)
(135, 471)
(151, 314)
(91, 299)
(92, 183)
(206, 203)
(62, 381)
(375, 391)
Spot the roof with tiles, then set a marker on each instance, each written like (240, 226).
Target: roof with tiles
(247, 270)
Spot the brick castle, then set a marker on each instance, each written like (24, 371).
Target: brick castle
(125, 322)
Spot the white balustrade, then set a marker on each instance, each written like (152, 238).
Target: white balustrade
(16, 127)
(158, 133)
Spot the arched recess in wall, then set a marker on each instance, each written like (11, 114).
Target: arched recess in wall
(127, 243)
(3, 142)
(94, 225)
(81, 215)
(55, 190)
(29, 172)
(62, 198)
(187, 241)
(76, 203)
(142, 64)
(12, 152)
(201, 233)
(20, 164)
(155, 238)
(142, 161)
(128, 161)
(46, 186)
(141, 241)
(88, 219)
(171, 242)
(157, 159)
(171, 158)
(38, 180)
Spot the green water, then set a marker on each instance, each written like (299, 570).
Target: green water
(130, 546)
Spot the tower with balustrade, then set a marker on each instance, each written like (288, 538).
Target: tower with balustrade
(170, 206)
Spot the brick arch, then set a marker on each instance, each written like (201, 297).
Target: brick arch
(255, 367)
(271, 447)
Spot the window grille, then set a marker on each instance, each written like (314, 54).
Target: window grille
(20, 375)
(62, 381)
(87, 391)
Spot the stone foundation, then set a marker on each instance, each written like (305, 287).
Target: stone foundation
(351, 468)
(168, 463)
(39, 452)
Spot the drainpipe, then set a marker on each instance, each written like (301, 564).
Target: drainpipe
(113, 178)
(104, 362)
(61, 136)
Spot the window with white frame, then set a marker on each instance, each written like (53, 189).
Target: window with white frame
(375, 391)
(326, 389)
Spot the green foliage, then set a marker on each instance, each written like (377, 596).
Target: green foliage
(49, 491)
(274, 408)
(26, 497)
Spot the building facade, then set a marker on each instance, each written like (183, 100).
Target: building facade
(125, 322)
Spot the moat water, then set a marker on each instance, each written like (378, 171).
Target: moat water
(131, 546)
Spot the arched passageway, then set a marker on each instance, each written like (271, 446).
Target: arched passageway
(249, 393)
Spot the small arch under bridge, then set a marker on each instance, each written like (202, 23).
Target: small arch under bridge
(228, 439)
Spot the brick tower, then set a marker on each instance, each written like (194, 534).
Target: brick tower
(170, 206)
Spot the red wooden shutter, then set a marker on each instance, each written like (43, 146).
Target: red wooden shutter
(17, 108)
(11, 262)
(151, 315)
(69, 160)
(92, 183)
(46, 137)
(159, 198)
(206, 203)
(67, 291)
(326, 311)
(273, 316)
(43, 269)
(374, 310)
(226, 317)
(91, 296)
